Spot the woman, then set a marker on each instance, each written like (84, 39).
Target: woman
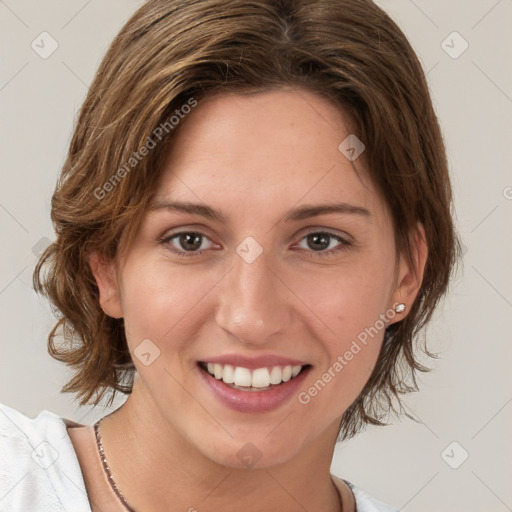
(253, 224)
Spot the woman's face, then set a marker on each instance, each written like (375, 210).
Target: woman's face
(251, 273)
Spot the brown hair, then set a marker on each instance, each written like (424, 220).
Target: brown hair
(172, 51)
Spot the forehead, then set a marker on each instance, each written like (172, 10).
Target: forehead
(271, 148)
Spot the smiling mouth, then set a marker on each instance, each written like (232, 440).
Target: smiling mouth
(258, 379)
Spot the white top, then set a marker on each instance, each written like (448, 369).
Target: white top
(40, 472)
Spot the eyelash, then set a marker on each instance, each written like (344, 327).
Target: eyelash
(344, 244)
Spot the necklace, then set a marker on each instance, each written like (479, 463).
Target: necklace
(110, 478)
(339, 496)
(113, 484)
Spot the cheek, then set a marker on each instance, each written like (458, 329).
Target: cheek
(350, 298)
(157, 300)
(163, 311)
(352, 304)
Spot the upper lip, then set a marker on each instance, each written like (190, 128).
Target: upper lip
(263, 361)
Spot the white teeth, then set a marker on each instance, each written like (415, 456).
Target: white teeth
(287, 373)
(259, 378)
(242, 377)
(218, 371)
(296, 370)
(229, 374)
(275, 375)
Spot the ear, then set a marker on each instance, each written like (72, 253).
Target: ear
(104, 273)
(410, 274)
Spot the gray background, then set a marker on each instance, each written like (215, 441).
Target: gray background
(466, 399)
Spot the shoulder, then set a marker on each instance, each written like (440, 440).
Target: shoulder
(39, 469)
(365, 502)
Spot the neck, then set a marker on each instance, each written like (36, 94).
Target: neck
(157, 469)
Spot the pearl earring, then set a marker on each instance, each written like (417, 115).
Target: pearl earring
(400, 308)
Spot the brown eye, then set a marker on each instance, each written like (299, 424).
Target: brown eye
(186, 243)
(322, 243)
(190, 241)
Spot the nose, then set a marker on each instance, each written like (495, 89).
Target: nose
(254, 302)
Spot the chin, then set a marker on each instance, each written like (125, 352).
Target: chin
(262, 452)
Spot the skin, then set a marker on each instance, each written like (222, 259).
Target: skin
(253, 158)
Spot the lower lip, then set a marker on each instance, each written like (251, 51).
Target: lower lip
(254, 401)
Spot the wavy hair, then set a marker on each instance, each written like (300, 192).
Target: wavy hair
(348, 51)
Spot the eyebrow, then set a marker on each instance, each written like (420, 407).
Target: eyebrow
(301, 213)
